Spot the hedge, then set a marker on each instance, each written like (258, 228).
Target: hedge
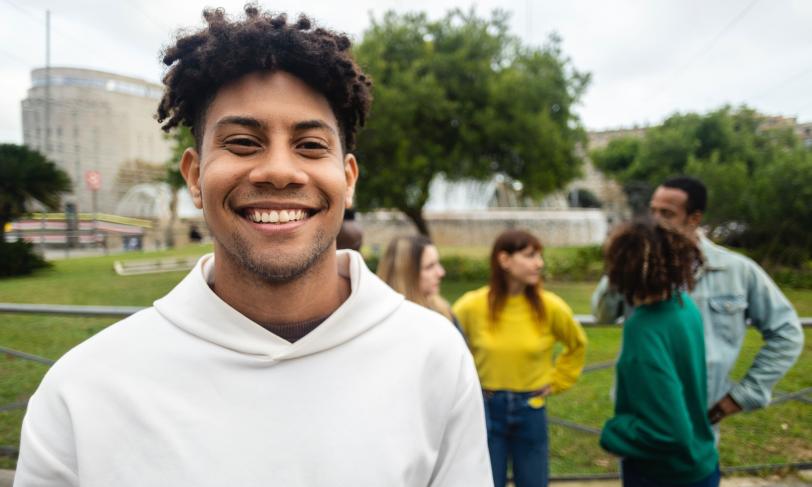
(584, 264)
(19, 258)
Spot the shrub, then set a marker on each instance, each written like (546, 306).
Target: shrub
(19, 258)
(799, 278)
(583, 264)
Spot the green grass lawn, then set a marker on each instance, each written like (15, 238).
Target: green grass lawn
(775, 435)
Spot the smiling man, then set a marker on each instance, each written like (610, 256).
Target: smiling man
(277, 361)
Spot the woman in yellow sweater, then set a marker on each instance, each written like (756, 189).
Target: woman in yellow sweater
(511, 327)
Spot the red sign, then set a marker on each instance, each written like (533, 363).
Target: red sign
(93, 180)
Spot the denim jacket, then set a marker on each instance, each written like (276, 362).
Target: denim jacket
(731, 289)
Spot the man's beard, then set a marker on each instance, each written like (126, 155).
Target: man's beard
(280, 269)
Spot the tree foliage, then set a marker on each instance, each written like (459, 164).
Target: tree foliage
(462, 97)
(759, 177)
(25, 176)
(182, 139)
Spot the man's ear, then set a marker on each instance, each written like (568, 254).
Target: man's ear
(350, 176)
(694, 219)
(190, 170)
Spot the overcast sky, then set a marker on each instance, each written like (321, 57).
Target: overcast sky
(648, 59)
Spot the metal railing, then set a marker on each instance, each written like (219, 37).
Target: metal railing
(122, 311)
(586, 320)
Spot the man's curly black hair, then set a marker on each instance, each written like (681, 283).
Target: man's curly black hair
(225, 50)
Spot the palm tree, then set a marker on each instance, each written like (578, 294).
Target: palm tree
(25, 176)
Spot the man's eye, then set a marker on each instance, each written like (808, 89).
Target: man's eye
(241, 142)
(312, 145)
(242, 145)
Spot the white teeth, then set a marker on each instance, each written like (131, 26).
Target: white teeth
(277, 216)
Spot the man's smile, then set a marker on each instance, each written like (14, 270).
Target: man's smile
(277, 216)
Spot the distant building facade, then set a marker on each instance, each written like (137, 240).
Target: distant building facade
(95, 121)
(804, 131)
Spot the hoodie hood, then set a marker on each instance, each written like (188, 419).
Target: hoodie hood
(194, 308)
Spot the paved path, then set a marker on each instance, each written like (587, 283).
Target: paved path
(6, 476)
(804, 480)
(726, 482)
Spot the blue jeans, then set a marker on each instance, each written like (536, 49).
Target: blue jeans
(518, 431)
(633, 478)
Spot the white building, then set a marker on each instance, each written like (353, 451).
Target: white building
(95, 121)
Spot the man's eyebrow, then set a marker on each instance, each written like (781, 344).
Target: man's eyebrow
(248, 122)
(313, 124)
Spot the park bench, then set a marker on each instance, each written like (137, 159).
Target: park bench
(150, 266)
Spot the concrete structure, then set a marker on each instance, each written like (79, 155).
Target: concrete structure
(152, 201)
(479, 228)
(95, 121)
(501, 192)
(608, 191)
(804, 132)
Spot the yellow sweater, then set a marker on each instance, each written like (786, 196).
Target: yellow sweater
(516, 353)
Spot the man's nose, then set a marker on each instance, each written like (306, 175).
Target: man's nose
(278, 167)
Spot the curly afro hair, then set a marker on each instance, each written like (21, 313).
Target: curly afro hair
(199, 64)
(645, 259)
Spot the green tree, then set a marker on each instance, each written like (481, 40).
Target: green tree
(780, 228)
(755, 169)
(461, 97)
(617, 156)
(25, 176)
(181, 140)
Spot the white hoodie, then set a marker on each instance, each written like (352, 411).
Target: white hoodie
(192, 393)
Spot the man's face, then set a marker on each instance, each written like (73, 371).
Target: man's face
(669, 205)
(271, 177)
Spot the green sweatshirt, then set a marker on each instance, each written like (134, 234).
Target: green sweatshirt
(661, 426)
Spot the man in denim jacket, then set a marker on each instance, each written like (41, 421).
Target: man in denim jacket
(730, 289)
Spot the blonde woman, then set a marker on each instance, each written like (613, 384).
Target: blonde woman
(411, 266)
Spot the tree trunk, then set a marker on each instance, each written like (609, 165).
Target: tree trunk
(169, 234)
(416, 216)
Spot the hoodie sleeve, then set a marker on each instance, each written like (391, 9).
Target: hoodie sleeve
(47, 454)
(463, 457)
